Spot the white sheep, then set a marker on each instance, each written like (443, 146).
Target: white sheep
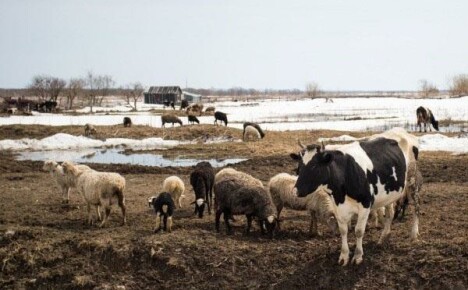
(64, 182)
(89, 129)
(98, 189)
(175, 186)
(281, 188)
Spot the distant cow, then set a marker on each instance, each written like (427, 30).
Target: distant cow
(221, 117)
(424, 115)
(169, 104)
(127, 122)
(361, 176)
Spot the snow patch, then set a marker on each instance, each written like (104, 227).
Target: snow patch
(439, 142)
(63, 141)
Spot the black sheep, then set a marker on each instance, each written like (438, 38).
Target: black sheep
(192, 119)
(202, 181)
(163, 206)
(220, 116)
(127, 122)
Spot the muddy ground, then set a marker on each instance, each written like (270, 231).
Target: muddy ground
(44, 244)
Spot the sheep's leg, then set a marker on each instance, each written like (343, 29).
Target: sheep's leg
(313, 231)
(218, 216)
(227, 214)
(90, 218)
(249, 224)
(64, 194)
(389, 212)
(279, 208)
(164, 217)
(121, 201)
(180, 201)
(158, 222)
(169, 224)
(106, 215)
(261, 224)
(98, 212)
(359, 230)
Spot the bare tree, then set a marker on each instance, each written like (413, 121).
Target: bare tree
(312, 90)
(104, 84)
(133, 92)
(75, 88)
(428, 89)
(91, 85)
(459, 86)
(55, 87)
(38, 86)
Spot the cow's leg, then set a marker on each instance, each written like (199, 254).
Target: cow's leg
(416, 202)
(425, 127)
(389, 212)
(359, 230)
(344, 255)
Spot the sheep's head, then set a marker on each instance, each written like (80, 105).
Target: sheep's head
(199, 206)
(69, 168)
(150, 200)
(270, 225)
(49, 165)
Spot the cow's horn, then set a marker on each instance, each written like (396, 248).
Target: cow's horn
(300, 144)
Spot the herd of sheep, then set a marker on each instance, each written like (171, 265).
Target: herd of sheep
(235, 192)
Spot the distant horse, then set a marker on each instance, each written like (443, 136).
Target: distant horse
(424, 115)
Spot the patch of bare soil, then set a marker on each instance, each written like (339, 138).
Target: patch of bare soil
(44, 244)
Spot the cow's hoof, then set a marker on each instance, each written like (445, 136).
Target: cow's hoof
(356, 260)
(343, 260)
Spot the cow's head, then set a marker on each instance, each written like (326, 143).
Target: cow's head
(315, 172)
(305, 155)
(435, 124)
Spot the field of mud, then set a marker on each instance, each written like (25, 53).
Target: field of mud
(46, 245)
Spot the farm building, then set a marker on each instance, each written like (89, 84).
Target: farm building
(157, 95)
(191, 97)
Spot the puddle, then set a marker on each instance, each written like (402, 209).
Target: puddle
(115, 156)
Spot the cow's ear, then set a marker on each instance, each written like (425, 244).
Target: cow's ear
(295, 156)
(326, 158)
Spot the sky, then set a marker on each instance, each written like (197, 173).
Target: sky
(341, 45)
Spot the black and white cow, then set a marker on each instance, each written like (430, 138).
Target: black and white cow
(361, 176)
(424, 115)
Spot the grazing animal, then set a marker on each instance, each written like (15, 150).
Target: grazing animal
(202, 180)
(192, 119)
(184, 104)
(63, 181)
(99, 189)
(170, 119)
(319, 205)
(163, 206)
(239, 193)
(89, 129)
(195, 108)
(127, 122)
(362, 176)
(252, 130)
(210, 110)
(169, 104)
(175, 186)
(221, 117)
(425, 116)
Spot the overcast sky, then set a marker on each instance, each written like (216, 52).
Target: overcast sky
(341, 45)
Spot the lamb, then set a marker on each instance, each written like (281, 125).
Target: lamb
(221, 117)
(239, 193)
(175, 186)
(202, 181)
(320, 207)
(252, 130)
(163, 206)
(210, 110)
(127, 122)
(170, 119)
(89, 129)
(62, 180)
(98, 189)
(192, 119)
